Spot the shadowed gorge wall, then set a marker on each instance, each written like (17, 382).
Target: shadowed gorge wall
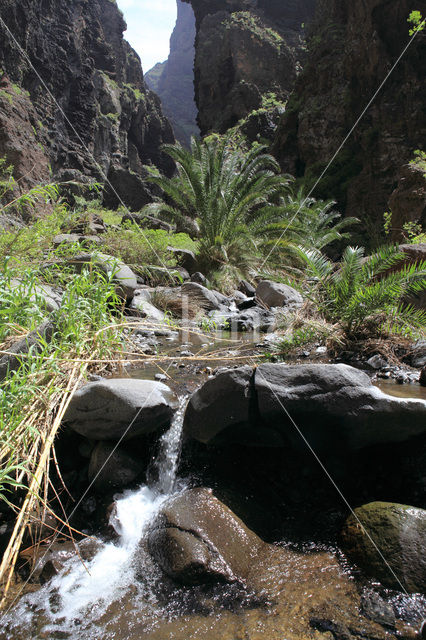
(78, 49)
(352, 47)
(173, 80)
(245, 49)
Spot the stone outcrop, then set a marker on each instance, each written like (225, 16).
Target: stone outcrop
(395, 532)
(244, 50)
(173, 80)
(81, 109)
(350, 52)
(334, 407)
(197, 539)
(116, 408)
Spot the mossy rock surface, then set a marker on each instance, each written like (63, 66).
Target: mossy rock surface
(399, 533)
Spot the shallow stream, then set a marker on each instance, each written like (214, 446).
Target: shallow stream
(114, 591)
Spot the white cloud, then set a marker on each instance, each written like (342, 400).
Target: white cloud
(149, 27)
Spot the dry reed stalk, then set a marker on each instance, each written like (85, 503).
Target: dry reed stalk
(10, 556)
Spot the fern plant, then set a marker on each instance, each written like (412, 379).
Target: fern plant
(376, 288)
(314, 223)
(233, 196)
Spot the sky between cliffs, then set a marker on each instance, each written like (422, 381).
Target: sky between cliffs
(149, 27)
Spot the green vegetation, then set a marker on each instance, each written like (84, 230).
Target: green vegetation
(246, 20)
(371, 292)
(150, 247)
(419, 160)
(417, 21)
(233, 196)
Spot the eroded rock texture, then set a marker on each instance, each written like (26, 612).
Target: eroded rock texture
(351, 50)
(173, 80)
(245, 49)
(107, 123)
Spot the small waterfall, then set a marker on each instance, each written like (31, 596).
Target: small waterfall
(167, 461)
(85, 591)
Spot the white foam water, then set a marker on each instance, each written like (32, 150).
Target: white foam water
(87, 590)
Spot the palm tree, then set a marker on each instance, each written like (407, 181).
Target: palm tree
(377, 287)
(234, 196)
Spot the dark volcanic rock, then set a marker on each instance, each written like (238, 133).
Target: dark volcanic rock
(107, 122)
(221, 402)
(351, 49)
(335, 408)
(196, 539)
(399, 532)
(112, 468)
(173, 80)
(244, 49)
(106, 410)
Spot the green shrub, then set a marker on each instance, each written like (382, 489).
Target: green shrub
(374, 290)
(139, 247)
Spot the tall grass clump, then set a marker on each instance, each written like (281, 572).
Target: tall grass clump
(34, 395)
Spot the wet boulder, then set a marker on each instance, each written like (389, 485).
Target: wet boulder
(388, 541)
(335, 407)
(111, 409)
(276, 294)
(196, 539)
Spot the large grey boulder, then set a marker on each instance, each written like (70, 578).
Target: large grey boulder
(334, 407)
(255, 319)
(201, 295)
(11, 360)
(275, 294)
(121, 274)
(108, 409)
(147, 310)
(395, 532)
(221, 403)
(43, 295)
(196, 539)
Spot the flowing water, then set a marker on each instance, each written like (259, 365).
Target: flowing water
(73, 602)
(118, 593)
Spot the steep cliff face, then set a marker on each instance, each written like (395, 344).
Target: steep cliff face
(173, 80)
(97, 117)
(352, 48)
(244, 50)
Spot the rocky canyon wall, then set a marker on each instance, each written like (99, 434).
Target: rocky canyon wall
(107, 123)
(173, 80)
(244, 50)
(352, 48)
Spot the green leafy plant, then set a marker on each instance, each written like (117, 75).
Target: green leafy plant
(232, 195)
(373, 290)
(417, 21)
(311, 223)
